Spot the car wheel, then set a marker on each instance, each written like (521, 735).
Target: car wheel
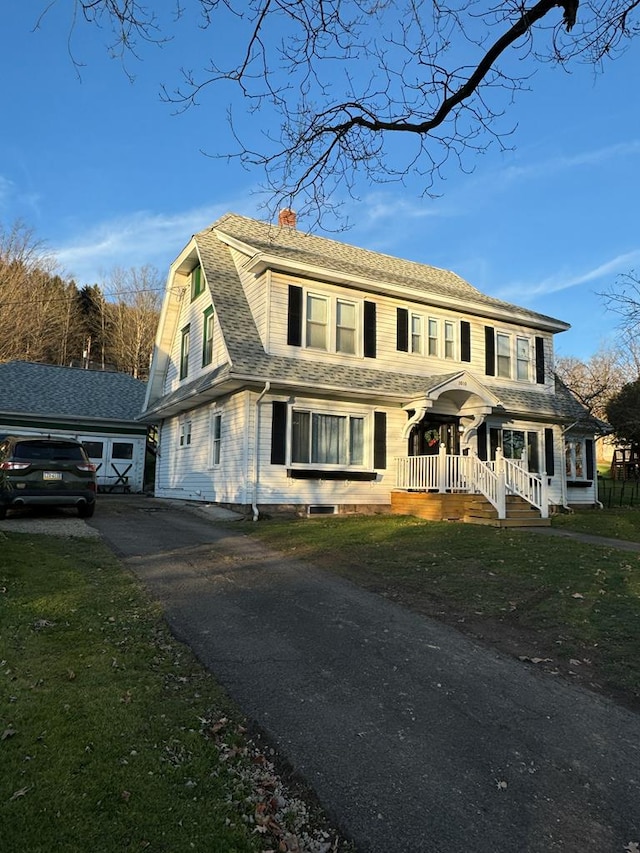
(86, 510)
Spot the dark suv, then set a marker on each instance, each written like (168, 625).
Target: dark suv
(46, 472)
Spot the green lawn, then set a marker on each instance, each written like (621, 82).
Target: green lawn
(617, 522)
(576, 606)
(112, 736)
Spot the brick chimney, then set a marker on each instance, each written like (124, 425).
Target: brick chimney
(287, 217)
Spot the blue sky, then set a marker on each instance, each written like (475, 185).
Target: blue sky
(106, 175)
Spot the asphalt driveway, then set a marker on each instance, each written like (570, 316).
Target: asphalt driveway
(415, 739)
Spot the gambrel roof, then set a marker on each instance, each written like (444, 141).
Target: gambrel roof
(285, 249)
(31, 389)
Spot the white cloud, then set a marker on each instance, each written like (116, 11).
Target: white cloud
(564, 280)
(132, 240)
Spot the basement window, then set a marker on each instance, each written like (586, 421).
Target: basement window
(322, 509)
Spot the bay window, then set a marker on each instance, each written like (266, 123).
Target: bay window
(574, 459)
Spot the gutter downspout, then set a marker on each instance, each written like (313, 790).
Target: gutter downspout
(256, 449)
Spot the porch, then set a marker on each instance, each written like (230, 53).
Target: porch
(445, 486)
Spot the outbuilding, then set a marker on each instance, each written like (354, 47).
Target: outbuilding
(99, 408)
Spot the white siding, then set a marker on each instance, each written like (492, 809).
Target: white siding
(276, 487)
(388, 357)
(187, 472)
(192, 314)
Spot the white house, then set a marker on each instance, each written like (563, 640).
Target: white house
(295, 372)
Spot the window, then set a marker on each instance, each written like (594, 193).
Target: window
(432, 343)
(574, 459)
(185, 433)
(207, 337)
(513, 443)
(324, 439)
(345, 327)
(503, 354)
(216, 438)
(317, 311)
(184, 352)
(94, 449)
(122, 450)
(449, 339)
(416, 333)
(523, 359)
(197, 283)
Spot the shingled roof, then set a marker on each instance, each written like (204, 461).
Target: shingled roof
(251, 365)
(27, 388)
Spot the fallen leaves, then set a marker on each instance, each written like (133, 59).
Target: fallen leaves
(19, 793)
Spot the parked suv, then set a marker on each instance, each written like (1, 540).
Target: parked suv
(46, 472)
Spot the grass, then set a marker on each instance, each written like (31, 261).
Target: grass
(112, 736)
(544, 598)
(615, 523)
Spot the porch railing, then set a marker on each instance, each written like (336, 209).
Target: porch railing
(495, 480)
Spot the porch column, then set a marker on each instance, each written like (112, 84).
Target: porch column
(502, 484)
(442, 468)
(544, 495)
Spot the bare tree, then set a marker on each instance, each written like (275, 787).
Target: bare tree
(386, 88)
(132, 306)
(37, 306)
(596, 381)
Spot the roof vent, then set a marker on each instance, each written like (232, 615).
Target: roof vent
(287, 217)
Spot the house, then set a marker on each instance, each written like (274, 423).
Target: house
(98, 408)
(296, 372)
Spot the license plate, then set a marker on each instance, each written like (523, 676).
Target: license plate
(51, 475)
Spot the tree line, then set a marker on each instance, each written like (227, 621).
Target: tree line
(46, 317)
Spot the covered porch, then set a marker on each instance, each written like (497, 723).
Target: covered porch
(446, 486)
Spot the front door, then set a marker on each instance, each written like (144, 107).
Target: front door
(427, 436)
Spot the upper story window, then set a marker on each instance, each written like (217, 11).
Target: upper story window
(184, 351)
(317, 321)
(207, 336)
(523, 359)
(329, 323)
(432, 343)
(503, 355)
(512, 356)
(197, 282)
(449, 339)
(345, 327)
(432, 336)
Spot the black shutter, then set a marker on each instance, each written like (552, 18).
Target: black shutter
(402, 334)
(278, 433)
(588, 452)
(532, 445)
(489, 351)
(465, 341)
(379, 439)
(549, 460)
(369, 329)
(482, 441)
(294, 319)
(540, 361)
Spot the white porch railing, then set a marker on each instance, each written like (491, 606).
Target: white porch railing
(494, 480)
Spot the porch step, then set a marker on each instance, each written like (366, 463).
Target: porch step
(519, 513)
